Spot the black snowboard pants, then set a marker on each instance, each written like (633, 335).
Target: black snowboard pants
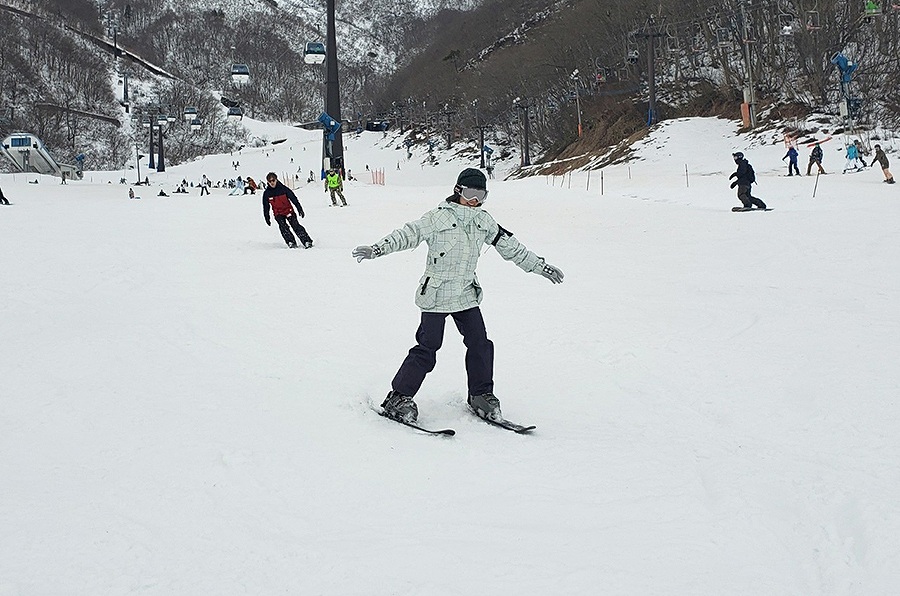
(747, 200)
(421, 359)
(285, 223)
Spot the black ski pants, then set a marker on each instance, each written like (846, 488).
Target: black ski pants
(285, 223)
(747, 200)
(421, 359)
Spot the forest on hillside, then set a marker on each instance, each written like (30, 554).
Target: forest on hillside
(447, 72)
(704, 57)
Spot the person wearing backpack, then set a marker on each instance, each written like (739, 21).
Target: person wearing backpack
(744, 177)
(815, 157)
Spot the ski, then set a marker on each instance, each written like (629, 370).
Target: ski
(742, 209)
(506, 424)
(447, 432)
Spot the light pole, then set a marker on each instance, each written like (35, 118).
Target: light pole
(125, 101)
(147, 122)
(332, 95)
(524, 105)
(749, 91)
(480, 132)
(161, 121)
(577, 100)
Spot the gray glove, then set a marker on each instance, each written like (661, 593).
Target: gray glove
(366, 252)
(550, 272)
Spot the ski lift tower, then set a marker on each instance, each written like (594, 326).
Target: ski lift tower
(749, 91)
(651, 32)
(332, 95)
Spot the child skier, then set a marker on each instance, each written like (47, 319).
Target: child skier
(454, 232)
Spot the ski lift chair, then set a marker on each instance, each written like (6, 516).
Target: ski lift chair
(723, 37)
(314, 52)
(812, 20)
(872, 9)
(240, 74)
(196, 124)
(190, 113)
(786, 22)
(672, 43)
(236, 113)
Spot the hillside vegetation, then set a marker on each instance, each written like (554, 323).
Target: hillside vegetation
(446, 68)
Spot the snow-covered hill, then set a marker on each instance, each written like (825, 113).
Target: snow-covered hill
(187, 405)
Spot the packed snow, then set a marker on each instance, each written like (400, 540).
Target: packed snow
(189, 407)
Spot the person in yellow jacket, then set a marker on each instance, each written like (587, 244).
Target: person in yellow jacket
(335, 184)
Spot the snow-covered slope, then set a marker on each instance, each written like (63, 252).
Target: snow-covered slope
(187, 405)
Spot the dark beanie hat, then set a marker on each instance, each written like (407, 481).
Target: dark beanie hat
(472, 178)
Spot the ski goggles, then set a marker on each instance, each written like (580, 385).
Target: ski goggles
(473, 194)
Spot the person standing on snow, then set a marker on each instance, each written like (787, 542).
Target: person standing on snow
(744, 177)
(455, 232)
(882, 159)
(815, 157)
(279, 197)
(852, 156)
(860, 151)
(334, 184)
(792, 163)
(3, 200)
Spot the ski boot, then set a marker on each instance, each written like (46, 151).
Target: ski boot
(400, 407)
(486, 406)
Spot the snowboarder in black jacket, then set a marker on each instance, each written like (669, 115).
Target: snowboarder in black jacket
(279, 197)
(815, 157)
(744, 178)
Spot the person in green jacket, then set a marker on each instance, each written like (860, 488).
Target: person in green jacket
(335, 184)
(456, 231)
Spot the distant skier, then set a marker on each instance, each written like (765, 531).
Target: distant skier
(237, 187)
(791, 155)
(3, 200)
(744, 178)
(279, 198)
(815, 157)
(860, 152)
(882, 159)
(852, 155)
(334, 184)
(455, 231)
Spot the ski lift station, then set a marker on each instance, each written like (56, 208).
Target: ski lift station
(28, 154)
(314, 53)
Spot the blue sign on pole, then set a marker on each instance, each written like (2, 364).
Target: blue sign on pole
(330, 124)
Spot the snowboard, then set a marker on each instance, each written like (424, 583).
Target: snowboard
(741, 209)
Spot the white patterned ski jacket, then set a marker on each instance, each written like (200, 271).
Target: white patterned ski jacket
(455, 234)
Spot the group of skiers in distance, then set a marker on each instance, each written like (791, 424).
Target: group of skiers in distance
(744, 176)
